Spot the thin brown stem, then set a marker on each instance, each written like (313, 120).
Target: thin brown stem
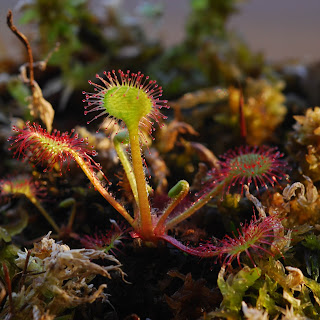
(25, 268)
(26, 43)
(8, 285)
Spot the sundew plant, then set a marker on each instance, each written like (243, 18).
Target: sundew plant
(169, 196)
(135, 101)
(192, 193)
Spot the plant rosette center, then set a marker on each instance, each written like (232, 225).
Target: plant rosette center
(261, 166)
(250, 165)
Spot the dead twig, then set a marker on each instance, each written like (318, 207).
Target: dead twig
(8, 285)
(38, 105)
(25, 268)
(42, 65)
(26, 43)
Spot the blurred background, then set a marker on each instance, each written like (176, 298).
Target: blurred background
(187, 45)
(286, 29)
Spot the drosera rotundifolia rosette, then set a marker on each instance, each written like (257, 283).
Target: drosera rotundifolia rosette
(135, 101)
